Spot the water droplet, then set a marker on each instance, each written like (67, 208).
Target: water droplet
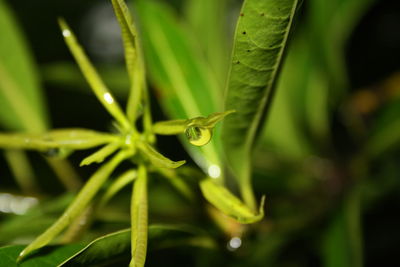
(234, 243)
(214, 171)
(197, 135)
(108, 98)
(66, 33)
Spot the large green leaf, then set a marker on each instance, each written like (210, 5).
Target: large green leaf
(185, 85)
(104, 249)
(116, 246)
(21, 100)
(260, 40)
(50, 257)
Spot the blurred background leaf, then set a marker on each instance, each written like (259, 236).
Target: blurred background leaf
(332, 129)
(21, 101)
(184, 83)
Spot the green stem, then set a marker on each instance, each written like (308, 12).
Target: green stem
(22, 170)
(65, 173)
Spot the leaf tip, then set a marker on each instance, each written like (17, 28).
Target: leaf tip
(177, 164)
(22, 255)
(66, 31)
(84, 162)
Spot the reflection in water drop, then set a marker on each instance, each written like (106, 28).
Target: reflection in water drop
(108, 98)
(197, 135)
(234, 243)
(66, 33)
(214, 171)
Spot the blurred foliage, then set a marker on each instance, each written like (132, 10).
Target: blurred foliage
(327, 158)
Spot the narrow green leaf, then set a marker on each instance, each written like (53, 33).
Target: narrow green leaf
(61, 138)
(129, 36)
(21, 99)
(188, 88)
(139, 213)
(92, 77)
(52, 256)
(229, 204)
(22, 170)
(173, 127)
(208, 20)
(260, 41)
(100, 154)
(133, 59)
(156, 158)
(81, 201)
(119, 183)
(170, 127)
(343, 245)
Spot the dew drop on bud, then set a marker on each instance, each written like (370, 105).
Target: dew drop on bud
(197, 135)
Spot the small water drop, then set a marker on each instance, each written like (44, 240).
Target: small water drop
(197, 135)
(66, 33)
(234, 243)
(108, 98)
(214, 171)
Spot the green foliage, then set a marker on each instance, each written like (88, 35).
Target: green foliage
(54, 255)
(187, 87)
(317, 160)
(21, 101)
(261, 35)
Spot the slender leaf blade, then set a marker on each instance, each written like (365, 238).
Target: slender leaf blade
(186, 87)
(229, 204)
(139, 219)
(96, 83)
(73, 138)
(260, 41)
(21, 99)
(208, 20)
(133, 59)
(343, 242)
